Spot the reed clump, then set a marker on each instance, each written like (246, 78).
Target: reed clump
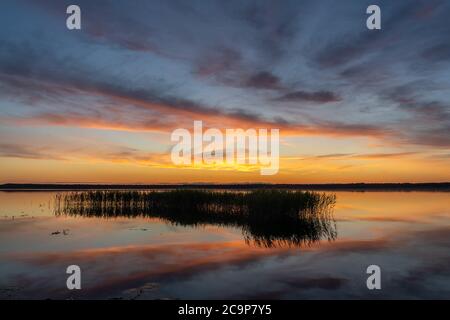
(265, 216)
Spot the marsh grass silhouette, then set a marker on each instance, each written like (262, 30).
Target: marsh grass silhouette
(268, 218)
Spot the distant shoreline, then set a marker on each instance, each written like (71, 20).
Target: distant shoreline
(439, 186)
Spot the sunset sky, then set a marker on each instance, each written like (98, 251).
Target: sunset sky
(99, 104)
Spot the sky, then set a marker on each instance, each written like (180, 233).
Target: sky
(98, 105)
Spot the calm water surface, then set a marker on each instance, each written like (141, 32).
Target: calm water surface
(406, 233)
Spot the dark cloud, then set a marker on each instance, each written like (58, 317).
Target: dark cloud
(438, 53)
(438, 137)
(274, 27)
(218, 62)
(409, 97)
(432, 111)
(316, 96)
(341, 52)
(263, 80)
(349, 128)
(425, 121)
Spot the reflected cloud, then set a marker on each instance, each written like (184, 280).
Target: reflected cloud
(193, 270)
(215, 262)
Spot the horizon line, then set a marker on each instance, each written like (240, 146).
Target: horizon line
(408, 186)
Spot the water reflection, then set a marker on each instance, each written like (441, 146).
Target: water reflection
(267, 218)
(406, 234)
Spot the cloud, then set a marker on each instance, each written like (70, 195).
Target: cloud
(378, 156)
(162, 69)
(9, 150)
(130, 108)
(445, 156)
(365, 156)
(315, 96)
(437, 53)
(333, 155)
(263, 80)
(431, 118)
(86, 152)
(348, 48)
(218, 62)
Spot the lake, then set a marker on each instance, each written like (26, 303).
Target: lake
(407, 234)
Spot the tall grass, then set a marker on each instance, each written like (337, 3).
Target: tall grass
(267, 217)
